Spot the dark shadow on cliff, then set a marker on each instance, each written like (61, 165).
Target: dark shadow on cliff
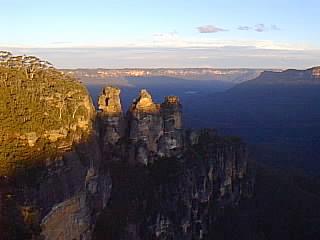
(35, 186)
(134, 197)
(280, 121)
(284, 206)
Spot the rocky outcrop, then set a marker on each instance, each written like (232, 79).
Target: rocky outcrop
(170, 183)
(211, 174)
(145, 127)
(60, 200)
(56, 169)
(178, 197)
(171, 143)
(72, 192)
(144, 104)
(109, 102)
(110, 116)
(147, 132)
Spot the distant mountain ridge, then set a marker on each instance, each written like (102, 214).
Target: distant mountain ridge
(96, 76)
(289, 76)
(70, 172)
(278, 111)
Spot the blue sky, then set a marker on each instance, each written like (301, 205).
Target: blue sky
(154, 33)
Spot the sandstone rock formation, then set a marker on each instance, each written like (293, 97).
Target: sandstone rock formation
(144, 103)
(171, 143)
(176, 182)
(151, 130)
(178, 197)
(145, 126)
(110, 115)
(186, 206)
(167, 183)
(109, 102)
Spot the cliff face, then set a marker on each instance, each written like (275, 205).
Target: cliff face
(52, 183)
(58, 156)
(190, 192)
(110, 114)
(169, 183)
(145, 128)
(287, 77)
(171, 142)
(147, 132)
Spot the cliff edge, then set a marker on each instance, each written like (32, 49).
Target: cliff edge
(52, 185)
(68, 171)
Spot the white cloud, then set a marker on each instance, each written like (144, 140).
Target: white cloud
(210, 29)
(175, 41)
(229, 56)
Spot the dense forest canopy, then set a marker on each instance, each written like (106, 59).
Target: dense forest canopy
(39, 108)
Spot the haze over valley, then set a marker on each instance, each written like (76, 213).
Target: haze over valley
(226, 99)
(159, 120)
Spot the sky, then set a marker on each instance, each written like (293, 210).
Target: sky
(164, 33)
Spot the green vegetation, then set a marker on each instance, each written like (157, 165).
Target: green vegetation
(39, 108)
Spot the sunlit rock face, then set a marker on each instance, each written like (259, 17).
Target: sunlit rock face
(110, 116)
(316, 72)
(52, 182)
(109, 101)
(144, 103)
(167, 183)
(60, 200)
(147, 132)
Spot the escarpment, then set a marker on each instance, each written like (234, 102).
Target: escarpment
(52, 185)
(58, 156)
